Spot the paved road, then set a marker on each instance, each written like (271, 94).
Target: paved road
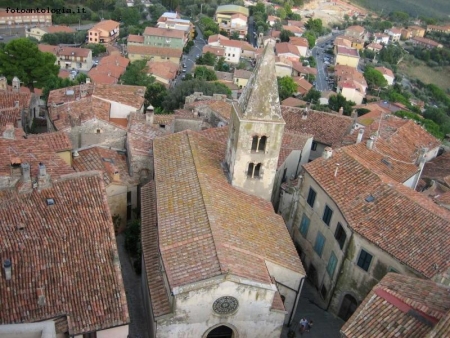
(189, 59)
(319, 53)
(251, 31)
(9, 34)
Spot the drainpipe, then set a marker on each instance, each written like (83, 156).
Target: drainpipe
(297, 298)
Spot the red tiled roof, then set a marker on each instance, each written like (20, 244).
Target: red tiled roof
(347, 51)
(10, 116)
(374, 45)
(293, 29)
(8, 99)
(400, 221)
(302, 69)
(59, 29)
(65, 51)
(164, 32)
(292, 141)
(293, 102)
(159, 298)
(385, 71)
(135, 38)
(327, 128)
(68, 251)
(128, 95)
(107, 25)
(165, 69)
(286, 47)
(101, 77)
(114, 60)
(214, 222)
(242, 74)
(426, 41)
(105, 160)
(154, 51)
(57, 141)
(298, 41)
(64, 74)
(216, 38)
(438, 169)
(220, 51)
(400, 306)
(358, 29)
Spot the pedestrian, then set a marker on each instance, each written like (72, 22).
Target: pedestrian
(309, 326)
(303, 324)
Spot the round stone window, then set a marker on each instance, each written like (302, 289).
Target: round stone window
(225, 305)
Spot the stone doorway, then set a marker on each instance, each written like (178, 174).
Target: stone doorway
(348, 307)
(221, 332)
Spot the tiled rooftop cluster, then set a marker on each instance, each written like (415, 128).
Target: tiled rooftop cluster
(57, 141)
(402, 306)
(141, 134)
(216, 223)
(400, 221)
(64, 256)
(109, 69)
(327, 128)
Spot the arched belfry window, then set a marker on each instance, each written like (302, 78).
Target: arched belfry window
(259, 143)
(254, 170)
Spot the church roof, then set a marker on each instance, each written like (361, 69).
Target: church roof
(206, 227)
(259, 99)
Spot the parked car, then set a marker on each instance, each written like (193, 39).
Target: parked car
(184, 65)
(1, 37)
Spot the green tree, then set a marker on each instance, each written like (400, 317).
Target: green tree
(285, 35)
(281, 13)
(136, 74)
(22, 58)
(203, 73)
(335, 102)
(315, 25)
(221, 65)
(156, 11)
(374, 78)
(312, 96)
(155, 94)
(286, 87)
(311, 37)
(208, 59)
(96, 48)
(176, 97)
(296, 17)
(234, 36)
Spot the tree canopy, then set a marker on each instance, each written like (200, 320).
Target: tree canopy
(374, 78)
(285, 35)
(286, 87)
(64, 38)
(177, 95)
(312, 96)
(22, 58)
(335, 102)
(203, 73)
(208, 59)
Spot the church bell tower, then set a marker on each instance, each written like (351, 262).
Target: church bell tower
(256, 131)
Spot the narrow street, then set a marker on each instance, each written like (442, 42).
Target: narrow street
(132, 283)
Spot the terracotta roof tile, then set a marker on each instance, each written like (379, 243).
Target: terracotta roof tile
(400, 306)
(303, 86)
(194, 194)
(285, 48)
(107, 25)
(10, 116)
(115, 60)
(385, 71)
(302, 69)
(31, 151)
(135, 38)
(277, 302)
(292, 141)
(154, 51)
(8, 99)
(165, 69)
(57, 141)
(65, 51)
(128, 95)
(216, 38)
(163, 32)
(242, 74)
(150, 250)
(220, 51)
(293, 102)
(68, 251)
(347, 51)
(58, 29)
(425, 246)
(438, 169)
(327, 128)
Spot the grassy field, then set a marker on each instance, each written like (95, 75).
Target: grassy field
(426, 74)
(427, 8)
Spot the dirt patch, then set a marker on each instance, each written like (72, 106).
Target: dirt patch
(427, 74)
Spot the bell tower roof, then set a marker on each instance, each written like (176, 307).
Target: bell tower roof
(260, 100)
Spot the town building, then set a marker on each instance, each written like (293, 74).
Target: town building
(381, 38)
(403, 304)
(52, 219)
(39, 32)
(412, 31)
(358, 32)
(69, 57)
(178, 24)
(425, 42)
(233, 50)
(287, 51)
(106, 31)
(375, 47)
(350, 243)
(241, 77)
(121, 189)
(303, 86)
(165, 37)
(236, 24)
(440, 29)
(346, 56)
(24, 19)
(302, 45)
(109, 69)
(18, 105)
(297, 31)
(164, 72)
(136, 52)
(271, 20)
(215, 277)
(225, 12)
(394, 34)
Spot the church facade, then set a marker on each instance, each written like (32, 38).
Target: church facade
(217, 260)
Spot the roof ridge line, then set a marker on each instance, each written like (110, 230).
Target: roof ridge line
(188, 133)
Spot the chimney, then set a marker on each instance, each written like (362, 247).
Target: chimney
(422, 158)
(3, 83)
(88, 80)
(149, 117)
(8, 133)
(327, 153)
(370, 142)
(16, 104)
(109, 73)
(360, 135)
(26, 177)
(16, 84)
(41, 296)
(341, 111)
(7, 266)
(116, 175)
(42, 169)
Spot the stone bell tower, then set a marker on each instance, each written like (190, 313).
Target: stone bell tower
(256, 131)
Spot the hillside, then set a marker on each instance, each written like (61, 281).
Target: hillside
(429, 8)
